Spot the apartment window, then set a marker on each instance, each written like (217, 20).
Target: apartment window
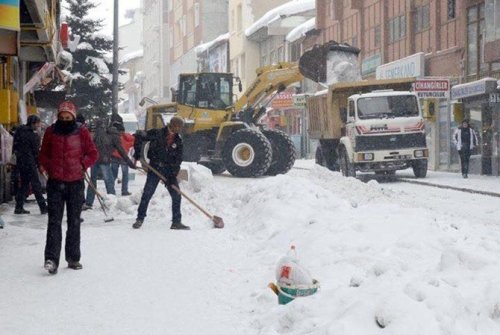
(242, 67)
(263, 60)
(239, 17)
(294, 52)
(397, 28)
(273, 57)
(475, 36)
(422, 18)
(183, 25)
(196, 14)
(451, 4)
(377, 38)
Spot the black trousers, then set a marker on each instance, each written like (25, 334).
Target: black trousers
(58, 194)
(152, 181)
(29, 175)
(464, 160)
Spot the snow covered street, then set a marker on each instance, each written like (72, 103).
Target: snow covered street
(391, 258)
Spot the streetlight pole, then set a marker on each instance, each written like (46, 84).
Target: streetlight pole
(114, 98)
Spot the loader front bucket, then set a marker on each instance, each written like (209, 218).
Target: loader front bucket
(331, 63)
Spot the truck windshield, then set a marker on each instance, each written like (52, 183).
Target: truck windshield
(387, 107)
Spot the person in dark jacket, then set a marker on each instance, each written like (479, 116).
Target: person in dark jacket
(106, 140)
(26, 147)
(465, 139)
(165, 155)
(67, 152)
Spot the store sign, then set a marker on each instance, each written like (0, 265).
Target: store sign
(283, 100)
(299, 100)
(432, 88)
(494, 98)
(9, 15)
(412, 66)
(478, 87)
(369, 65)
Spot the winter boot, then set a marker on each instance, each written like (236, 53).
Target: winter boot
(50, 266)
(21, 211)
(138, 223)
(86, 207)
(44, 210)
(126, 193)
(179, 226)
(75, 265)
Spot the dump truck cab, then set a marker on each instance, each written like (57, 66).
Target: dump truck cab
(384, 133)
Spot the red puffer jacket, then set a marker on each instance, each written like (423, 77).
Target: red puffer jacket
(66, 156)
(127, 141)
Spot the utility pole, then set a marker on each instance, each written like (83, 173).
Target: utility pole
(114, 99)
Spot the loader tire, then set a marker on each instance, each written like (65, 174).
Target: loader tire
(283, 152)
(247, 153)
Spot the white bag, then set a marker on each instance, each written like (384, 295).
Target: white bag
(290, 273)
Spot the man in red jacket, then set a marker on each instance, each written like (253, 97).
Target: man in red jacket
(67, 152)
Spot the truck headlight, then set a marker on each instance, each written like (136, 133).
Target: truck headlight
(365, 156)
(421, 153)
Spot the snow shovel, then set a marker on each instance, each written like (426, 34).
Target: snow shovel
(99, 198)
(218, 222)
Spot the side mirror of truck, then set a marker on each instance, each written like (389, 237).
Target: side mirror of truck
(343, 114)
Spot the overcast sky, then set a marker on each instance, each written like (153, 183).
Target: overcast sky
(104, 10)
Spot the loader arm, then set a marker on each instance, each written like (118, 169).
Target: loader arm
(269, 79)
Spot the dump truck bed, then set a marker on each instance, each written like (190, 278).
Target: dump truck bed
(324, 108)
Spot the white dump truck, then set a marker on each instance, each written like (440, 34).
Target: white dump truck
(369, 126)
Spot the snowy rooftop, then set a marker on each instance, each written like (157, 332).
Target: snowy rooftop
(205, 46)
(287, 9)
(301, 30)
(131, 55)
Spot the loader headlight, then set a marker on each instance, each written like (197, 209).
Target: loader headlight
(421, 153)
(365, 156)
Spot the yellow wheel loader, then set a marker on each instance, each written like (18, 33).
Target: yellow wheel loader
(223, 134)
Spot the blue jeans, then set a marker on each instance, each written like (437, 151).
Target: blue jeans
(107, 175)
(114, 169)
(152, 181)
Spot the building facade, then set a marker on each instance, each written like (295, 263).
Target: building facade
(445, 39)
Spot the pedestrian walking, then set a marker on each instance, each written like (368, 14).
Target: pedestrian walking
(106, 140)
(465, 139)
(67, 152)
(26, 148)
(127, 141)
(165, 155)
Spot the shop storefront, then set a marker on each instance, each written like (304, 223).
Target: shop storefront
(480, 103)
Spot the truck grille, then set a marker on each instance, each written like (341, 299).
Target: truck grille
(389, 142)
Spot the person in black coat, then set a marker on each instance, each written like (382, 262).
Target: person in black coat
(26, 147)
(465, 139)
(165, 155)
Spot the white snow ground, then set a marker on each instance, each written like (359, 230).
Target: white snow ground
(415, 260)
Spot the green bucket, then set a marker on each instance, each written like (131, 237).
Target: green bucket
(289, 293)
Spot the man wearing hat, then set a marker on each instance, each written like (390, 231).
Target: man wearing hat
(26, 147)
(67, 152)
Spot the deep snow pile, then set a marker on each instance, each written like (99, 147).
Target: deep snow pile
(387, 264)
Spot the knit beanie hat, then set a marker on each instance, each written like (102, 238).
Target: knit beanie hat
(67, 106)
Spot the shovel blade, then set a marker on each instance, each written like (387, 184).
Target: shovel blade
(218, 222)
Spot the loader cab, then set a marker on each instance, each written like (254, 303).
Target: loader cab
(206, 90)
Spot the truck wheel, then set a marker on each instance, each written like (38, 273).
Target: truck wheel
(420, 168)
(346, 167)
(283, 152)
(320, 159)
(216, 168)
(247, 153)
